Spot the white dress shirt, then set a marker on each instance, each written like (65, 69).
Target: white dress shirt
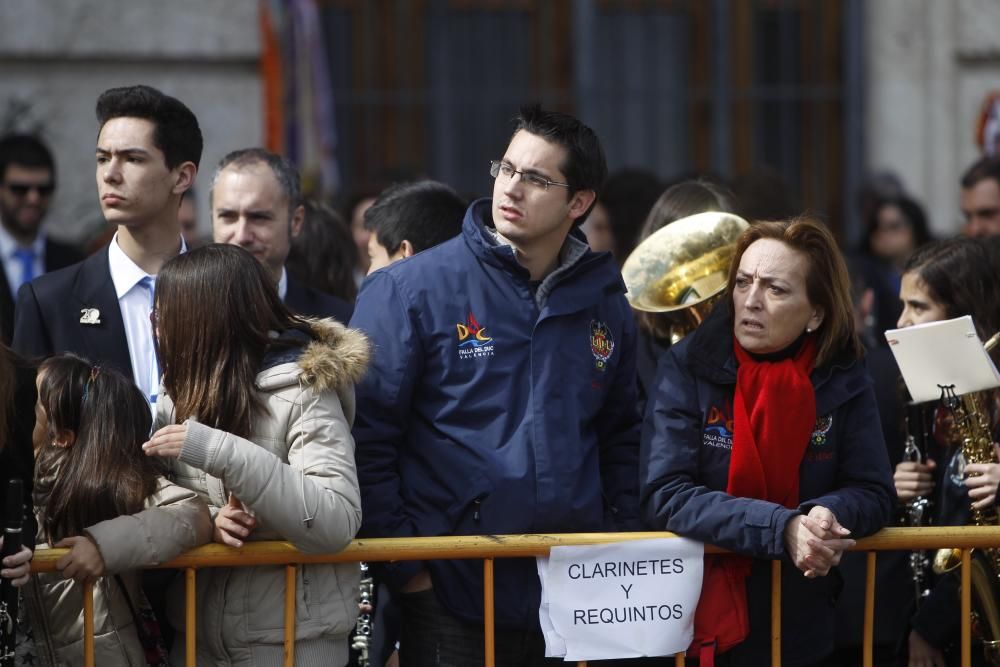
(12, 265)
(134, 301)
(283, 285)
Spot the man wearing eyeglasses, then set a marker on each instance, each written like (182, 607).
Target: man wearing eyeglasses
(501, 398)
(27, 182)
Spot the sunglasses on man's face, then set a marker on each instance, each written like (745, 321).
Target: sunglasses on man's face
(22, 189)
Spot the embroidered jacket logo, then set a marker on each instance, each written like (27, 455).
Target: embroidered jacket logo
(473, 341)
(601, 344)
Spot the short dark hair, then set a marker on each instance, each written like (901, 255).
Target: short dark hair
(585, 167)
(425, 213)
(176, 131)
(286, 174)
(912, 212)
(27, 151)
(980, 170)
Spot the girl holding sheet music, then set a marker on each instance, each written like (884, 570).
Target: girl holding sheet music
(944, 280)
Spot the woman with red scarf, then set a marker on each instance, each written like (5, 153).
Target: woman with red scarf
(763, 438)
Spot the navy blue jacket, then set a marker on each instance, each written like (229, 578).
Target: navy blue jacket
(483, 413)
(686, 443)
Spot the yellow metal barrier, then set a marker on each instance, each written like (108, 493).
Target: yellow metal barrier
(490, 547)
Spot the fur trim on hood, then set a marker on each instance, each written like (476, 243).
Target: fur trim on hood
(339, 356)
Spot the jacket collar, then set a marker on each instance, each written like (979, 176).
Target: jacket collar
(566, 292)
(710, 351)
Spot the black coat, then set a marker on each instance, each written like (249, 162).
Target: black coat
(304, 300)
(51, 307)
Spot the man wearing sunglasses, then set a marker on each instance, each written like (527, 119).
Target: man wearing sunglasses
(27, 182)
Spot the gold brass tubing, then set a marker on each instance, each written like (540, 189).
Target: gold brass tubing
(869, 609)
(488, 612)
(966, 594)
(88, 623)
(190, 619)
(679, 659)
(290, 615)
(776, 613)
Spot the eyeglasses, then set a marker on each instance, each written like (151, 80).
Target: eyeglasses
(497, 168)
(22, 189)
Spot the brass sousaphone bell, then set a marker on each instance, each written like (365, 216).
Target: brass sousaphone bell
(682, 268)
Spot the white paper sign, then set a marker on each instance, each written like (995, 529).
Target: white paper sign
(622, 600)
(943, 353)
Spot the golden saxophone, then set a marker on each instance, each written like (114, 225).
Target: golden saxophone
(972, 428)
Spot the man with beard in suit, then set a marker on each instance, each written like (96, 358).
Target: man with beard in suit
(27, 183)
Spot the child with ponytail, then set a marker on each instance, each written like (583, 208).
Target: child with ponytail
(98, 495)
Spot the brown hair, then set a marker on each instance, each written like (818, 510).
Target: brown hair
(104, 473)
(827, 283)
(217, 314)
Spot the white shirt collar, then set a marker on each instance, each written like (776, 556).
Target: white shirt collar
(8, 245)
(125, 273)
(283, 284)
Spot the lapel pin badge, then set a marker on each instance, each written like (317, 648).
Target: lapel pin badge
(90, 316)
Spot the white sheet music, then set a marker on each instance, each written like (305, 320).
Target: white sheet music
(939, 354)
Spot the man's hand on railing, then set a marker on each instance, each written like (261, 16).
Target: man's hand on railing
(233, 524)
(83, 562)
(815, 542)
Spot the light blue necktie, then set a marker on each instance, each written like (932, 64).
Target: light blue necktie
(149, 285)
(26, 256)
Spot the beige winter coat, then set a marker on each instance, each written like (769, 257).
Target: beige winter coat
(173, 521)
(297, 475)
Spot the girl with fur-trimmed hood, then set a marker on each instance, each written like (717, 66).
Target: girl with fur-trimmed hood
(257, 419)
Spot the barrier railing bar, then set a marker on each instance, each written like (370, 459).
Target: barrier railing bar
(869, 638)
(488, 608)
(290, 571)
(488, 547)
(966, 595)
(775, 613)
(88, 623)
(511, 546)
(190, 619)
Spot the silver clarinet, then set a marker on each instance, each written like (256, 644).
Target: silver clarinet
(918, 510)
(361, 642)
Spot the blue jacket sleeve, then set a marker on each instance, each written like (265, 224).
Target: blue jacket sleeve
(865, 496)
(673, 494)
(618, 426)
(384, 400)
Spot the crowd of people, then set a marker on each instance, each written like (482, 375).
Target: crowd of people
(425, 366)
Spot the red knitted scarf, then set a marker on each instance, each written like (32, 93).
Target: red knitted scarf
(774, 414)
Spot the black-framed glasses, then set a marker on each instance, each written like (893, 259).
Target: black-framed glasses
(22, 189)
(498, 167)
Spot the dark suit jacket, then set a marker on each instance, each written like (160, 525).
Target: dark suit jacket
(304, 300)
(57, 256)
(50, 307)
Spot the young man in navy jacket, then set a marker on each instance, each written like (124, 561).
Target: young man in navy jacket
(502, 394)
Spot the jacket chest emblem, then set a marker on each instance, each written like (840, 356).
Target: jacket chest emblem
(823, 425)
(473, 340)
(718, 429)
(602, 344)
